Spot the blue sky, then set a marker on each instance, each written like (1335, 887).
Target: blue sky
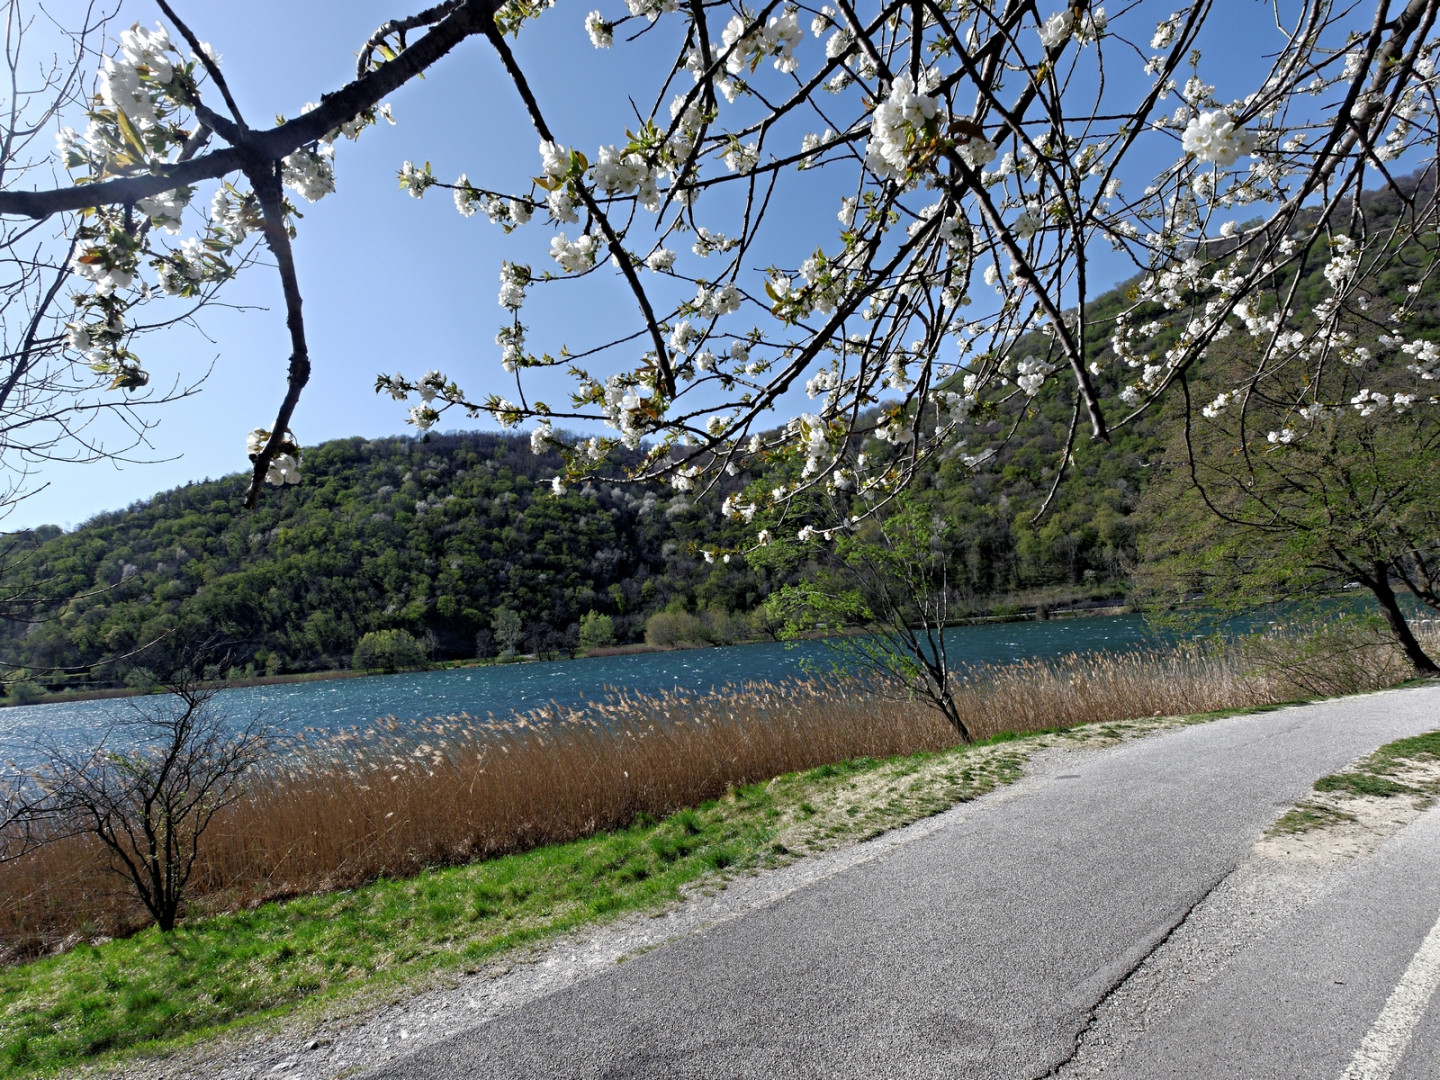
(392, 283)
(389, 282)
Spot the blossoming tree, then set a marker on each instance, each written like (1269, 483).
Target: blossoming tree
(49, 402)
(1258, 500)
(976, 153)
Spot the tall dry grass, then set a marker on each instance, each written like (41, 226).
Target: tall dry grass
(393, 799)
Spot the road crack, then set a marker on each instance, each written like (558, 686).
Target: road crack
(1119, 981)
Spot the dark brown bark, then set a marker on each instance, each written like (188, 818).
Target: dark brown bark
(1380, 585)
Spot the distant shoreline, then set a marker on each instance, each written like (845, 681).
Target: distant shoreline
(1039, 612)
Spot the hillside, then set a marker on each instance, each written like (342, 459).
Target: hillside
(433, 534)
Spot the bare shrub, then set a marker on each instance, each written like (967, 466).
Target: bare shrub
(670, 628)
(147, 805)
(1328, 658)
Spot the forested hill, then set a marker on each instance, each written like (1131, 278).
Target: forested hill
(431, 536)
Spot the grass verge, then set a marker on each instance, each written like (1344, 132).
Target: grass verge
(1407, 767)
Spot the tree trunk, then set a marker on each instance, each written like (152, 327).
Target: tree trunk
(947, 705)
(1380, 585)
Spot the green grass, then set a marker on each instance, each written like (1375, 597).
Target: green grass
(1306, 816)
(99, 1003)
(138, 992)
(1373, 776)
(1359, 783)
(1417, 748)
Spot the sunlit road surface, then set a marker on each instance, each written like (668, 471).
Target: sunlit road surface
(993, 946)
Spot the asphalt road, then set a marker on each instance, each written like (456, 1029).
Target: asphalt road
(984, 948)
(1308, 998)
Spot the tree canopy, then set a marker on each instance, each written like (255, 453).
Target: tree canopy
(976, 154)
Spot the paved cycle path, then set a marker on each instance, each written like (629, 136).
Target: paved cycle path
(982, 948)
(1344, 989)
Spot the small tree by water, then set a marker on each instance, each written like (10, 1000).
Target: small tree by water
(890, 582)
(596, 631)
(153, 786)
(508, 630)
(389, 650)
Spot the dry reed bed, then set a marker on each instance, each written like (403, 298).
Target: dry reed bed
(394, 799)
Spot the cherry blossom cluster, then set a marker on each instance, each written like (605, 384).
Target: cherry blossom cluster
(967, 159)
(284, 467)
(144, 117)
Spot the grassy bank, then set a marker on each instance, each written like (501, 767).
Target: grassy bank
(137, 992)
(393, 857)
(1405, 769)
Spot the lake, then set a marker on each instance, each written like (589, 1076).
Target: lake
(338, 704)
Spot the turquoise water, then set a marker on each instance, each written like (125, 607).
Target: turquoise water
(344, 703)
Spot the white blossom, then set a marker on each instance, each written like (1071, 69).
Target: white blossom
(284, 469)
(977, 153)
(898, 124)
(682, 335)
(554, 160)
(465, 196)
(513, 279)
(311, 173)
(1368, 402)
(602, 34)
(1165, 33)
(742, 157)
(1056, 30)
(415, 179)
(1092, 26)
(1216, 407)
(561, 207)
(164, 209)
(1215, 137)
(1032, 373)
(574, 257)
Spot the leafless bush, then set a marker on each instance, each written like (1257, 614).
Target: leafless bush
(153, 787)
(1327, 658)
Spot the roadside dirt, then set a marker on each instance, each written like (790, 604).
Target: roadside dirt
(1349, 826)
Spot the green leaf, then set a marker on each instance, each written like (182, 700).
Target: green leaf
(127, 129)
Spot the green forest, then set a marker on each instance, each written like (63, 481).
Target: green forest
(433, 535)
(448, 537)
